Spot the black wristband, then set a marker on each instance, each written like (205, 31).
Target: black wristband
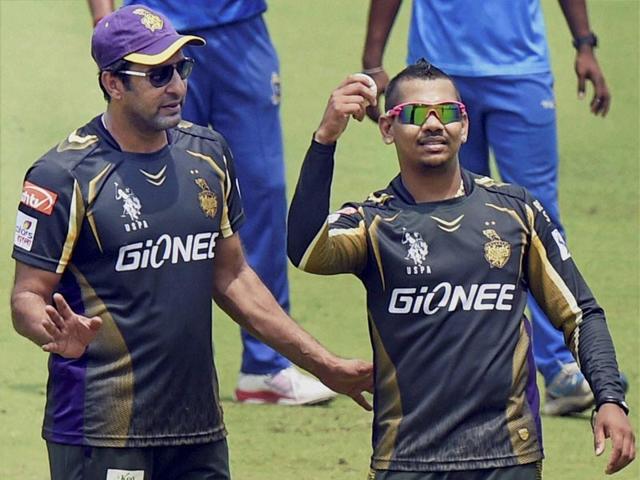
(621, 403)
(591, 40)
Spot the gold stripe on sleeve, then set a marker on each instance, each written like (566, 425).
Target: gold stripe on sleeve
(552, 293)
(76, 214)
(335, 250)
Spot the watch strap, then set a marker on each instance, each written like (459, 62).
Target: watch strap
(591, 39)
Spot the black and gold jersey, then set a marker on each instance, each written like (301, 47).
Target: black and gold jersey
(446, 286)
(133, 236)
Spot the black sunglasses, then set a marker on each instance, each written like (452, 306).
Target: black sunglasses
(160, 76)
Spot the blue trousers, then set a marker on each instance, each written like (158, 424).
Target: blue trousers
(235, 88)
(515, 117)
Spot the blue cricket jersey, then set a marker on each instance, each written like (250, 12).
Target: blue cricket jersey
(201, 14)
(480, 38)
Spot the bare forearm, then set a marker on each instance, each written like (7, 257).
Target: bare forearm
(575, 12)
(99, 9)
(28, 314)
(253, 307)
(382, 14)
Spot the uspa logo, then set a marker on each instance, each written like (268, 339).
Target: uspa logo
(25, 231)
(38, 198)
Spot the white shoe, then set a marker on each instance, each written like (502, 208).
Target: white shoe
(568, 392)
(286, 387)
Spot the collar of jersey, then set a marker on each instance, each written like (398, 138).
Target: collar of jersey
(401, 191)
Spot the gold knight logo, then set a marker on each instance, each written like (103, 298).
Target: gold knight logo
(496, 250)
(207, 198)
(150, 20)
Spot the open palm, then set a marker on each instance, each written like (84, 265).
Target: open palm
(71, 333)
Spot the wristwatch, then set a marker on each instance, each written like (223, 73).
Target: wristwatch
(591, 40)
(621, 403)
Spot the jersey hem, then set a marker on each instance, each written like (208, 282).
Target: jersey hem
(427, 466)
(135, 442)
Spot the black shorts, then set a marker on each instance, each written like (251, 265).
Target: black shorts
(205, 461)
(530, 471)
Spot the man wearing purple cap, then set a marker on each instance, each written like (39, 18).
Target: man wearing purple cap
(239, 46)
(116, 226)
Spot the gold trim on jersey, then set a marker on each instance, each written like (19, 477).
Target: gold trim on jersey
(115, 390)
(91, 196)
(512, 213)
(155, 179)
(489, 182)
(76, 214)
(553, 294)
(225, 222)
(335, 250)
(379, 198)
(388, 401)
(373, 234)
(76, 142)
(520, 423)
(451, 226)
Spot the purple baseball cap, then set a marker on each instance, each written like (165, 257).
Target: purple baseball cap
(137, 34)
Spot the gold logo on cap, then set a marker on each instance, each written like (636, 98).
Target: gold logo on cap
(207, 198)
(496, 251)
(151, 21)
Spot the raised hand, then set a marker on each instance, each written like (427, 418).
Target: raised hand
(350, 99)
(70, 333)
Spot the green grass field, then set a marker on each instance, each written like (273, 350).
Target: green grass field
(48, 88)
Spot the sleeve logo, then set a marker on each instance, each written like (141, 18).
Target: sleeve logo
(38, 198)
(25, 231)
(562, 245)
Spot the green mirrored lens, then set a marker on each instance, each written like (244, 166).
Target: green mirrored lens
(417, 114)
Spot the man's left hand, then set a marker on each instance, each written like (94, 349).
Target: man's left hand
(587, 68)
(611, 422)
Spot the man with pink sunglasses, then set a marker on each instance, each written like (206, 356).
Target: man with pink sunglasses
(497, 53)
(447, 259)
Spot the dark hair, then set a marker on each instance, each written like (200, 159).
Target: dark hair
(421, 70)
(114, 68)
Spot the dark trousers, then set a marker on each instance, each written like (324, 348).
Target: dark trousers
(206, 461)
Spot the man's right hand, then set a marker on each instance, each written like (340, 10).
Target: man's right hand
(70, 333)
(350, 99)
